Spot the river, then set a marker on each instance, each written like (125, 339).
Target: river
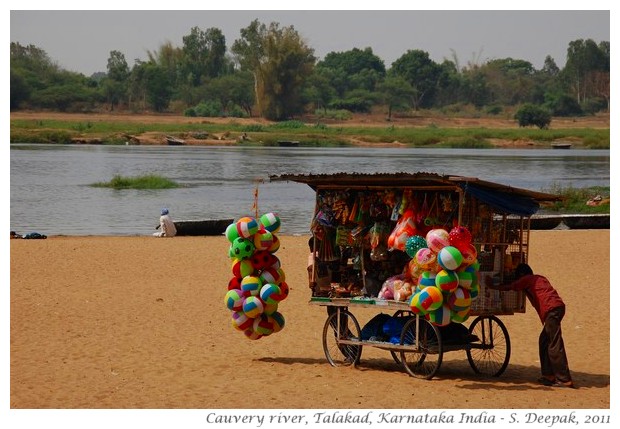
(51, 193)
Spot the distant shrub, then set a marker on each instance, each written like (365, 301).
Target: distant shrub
(530, 114)
(149, 181)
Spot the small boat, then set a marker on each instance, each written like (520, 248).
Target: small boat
(561, 145)
(173, 141)
(288, 143)
(585, 221)
(202, 227)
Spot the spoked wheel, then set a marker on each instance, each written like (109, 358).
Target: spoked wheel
(491, 354)
(400, 313)
(340, 333)
(424, 352)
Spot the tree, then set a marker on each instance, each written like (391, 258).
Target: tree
(530, 114)
(354, 69)
(116, 82)
(421, 73)
(396, 93)
(280, 62)
(584, 57)
(204, 55)
(157, 87)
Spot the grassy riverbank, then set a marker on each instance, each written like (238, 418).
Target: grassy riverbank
(592, 133)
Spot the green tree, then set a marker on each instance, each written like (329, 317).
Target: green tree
(115, 84)
(530, 114)
(353, 69)
(422, 73)
(157, 87)
(583, 58)
(232, 90)
(280, 61)
(396, 93)
(204, 55)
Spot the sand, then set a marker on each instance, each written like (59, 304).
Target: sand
(140, 322)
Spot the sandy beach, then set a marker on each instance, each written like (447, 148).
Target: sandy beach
(140, 322)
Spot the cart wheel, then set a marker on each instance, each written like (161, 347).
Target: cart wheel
(423, 358)
(338, 354)
(400, 313)
(490, 356)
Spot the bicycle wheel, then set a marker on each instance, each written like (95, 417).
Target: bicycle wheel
(489, 356)
(400, 313)
(341, 328)
(423, 357)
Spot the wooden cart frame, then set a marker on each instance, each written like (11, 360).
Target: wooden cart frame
(501, 215)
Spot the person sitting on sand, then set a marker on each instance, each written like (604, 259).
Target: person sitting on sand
(166, 225)
(550, 308)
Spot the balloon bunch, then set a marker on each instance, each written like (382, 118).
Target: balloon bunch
(258, 284)
(446, 268)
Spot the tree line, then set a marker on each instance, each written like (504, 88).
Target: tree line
(271, 72)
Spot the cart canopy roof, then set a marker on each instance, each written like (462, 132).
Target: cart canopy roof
(504, 198)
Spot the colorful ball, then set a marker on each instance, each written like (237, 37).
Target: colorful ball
(459, 300)
(284, 289)
(437, 239)
(272, 275)
(263, 239)
(271, 222)
(241, 321)
(459, 235)
(253, 306)
(270, 293)
(414, 244)
(277, 320)
(262, 325)
(231, 232)
(439, 317)
(429, 299)
(251, 334)
(450, 258)
(276, 244)
(263, 259)
(425, 258)
(247, 227)
(447, 281)
(474, 291)
(466, 279)
(241, 248)
(242, 267)
(234, 283)
(234, 299)
(270, 308)
(460, 317)
(251, 285)
(469, 253)
(426, 279)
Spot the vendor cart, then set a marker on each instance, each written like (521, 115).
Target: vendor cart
(357, 248)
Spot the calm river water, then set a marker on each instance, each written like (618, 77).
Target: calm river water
(50, 191)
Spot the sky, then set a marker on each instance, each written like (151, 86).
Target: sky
(81, 40)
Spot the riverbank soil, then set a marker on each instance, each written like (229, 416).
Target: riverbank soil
(601, 121)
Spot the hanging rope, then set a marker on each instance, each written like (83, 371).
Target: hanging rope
(255, 205)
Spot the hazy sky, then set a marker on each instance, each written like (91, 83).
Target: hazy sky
(81, 41)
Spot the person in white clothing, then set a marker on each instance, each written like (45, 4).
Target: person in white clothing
(166, 225)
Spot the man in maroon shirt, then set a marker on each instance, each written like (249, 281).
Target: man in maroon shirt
(550, 308)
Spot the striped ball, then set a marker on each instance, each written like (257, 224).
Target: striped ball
(428, 299)
(271, 308)
(271, 222)
(278, 321)
(474, 291)
(446, 281)
(450, 258)
(253, 306)
(437, 239)
(262, 325)
(466, 279)
(272, 275)
(276, 244)
(439, 317)
(459, 300)
(247, 227)
(240, 321)
(284, 289)
(251, 334)
(231, 232)
(263, 239)
(234, 299)
(460, 317)
(242, 267)
(251, 285)
(426, 279)
(270, 293)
